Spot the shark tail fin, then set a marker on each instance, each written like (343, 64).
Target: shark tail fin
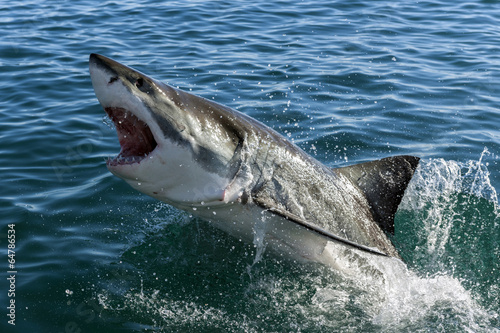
(383, 183)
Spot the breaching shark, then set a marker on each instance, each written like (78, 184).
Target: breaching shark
(241, 175)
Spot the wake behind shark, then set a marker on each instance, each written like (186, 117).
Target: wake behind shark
(241, 175)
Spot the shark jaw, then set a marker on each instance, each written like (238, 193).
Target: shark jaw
(139, 142)
(135, 137)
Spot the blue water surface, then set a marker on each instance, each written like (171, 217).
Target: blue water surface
(348, 81)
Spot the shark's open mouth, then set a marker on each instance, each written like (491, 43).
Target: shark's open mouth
(135, 136)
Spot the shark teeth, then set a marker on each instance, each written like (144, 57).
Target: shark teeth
(121, 160)
(135, 136)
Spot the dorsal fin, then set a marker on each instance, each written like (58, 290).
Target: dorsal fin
(383, 182)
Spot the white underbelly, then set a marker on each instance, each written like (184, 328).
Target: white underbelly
(252, 224)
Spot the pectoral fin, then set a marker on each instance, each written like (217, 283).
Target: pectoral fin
(330, 236)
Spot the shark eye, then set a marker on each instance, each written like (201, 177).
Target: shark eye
(139, 83)
(113, 79)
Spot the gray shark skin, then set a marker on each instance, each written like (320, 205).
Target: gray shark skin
(243, 176)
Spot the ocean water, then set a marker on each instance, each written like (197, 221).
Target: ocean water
(348, 81)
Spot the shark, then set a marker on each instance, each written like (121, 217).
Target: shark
(244, 177)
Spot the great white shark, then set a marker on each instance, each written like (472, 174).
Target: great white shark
(242, 176)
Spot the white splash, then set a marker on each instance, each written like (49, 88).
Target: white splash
(434, 197)
(259, 234)
(434, 192)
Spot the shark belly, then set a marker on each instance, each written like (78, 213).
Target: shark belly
(276, 233)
